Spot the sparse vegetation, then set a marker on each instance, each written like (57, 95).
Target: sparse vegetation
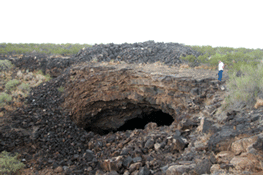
(4, 98)
(61, 89)
(24, 87)
(11, 84)
(246, 88)
(47, 76)
(190, 58)
(5, 65)
(65, 49)
(233, 58)
(9, 163)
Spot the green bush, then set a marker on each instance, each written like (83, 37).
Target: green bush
(245, 88)
(190, 58)
(4, 97)
(5, 65)
(9, 164)
(11, 84)
(203, 58)
(213, 61)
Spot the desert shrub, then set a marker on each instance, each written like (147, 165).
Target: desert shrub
(224, 50)
(246, 88)
(232, 57)
(213, 61)
(5, 65)
(203, 58)
(61, 89)
(11, 84)
(4, 97)
(24, 87)
(205, 49)
(190, 58)
(9, 163)
(47, 76)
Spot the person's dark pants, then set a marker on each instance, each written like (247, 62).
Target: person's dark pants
(220, 74)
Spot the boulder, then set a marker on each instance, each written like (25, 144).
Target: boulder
(89, 155)
(149, 144)
(178, 143)
(59, 169)
(203, 167)
(248, 162)
(113, 164)
(180, 169)
(144, 171)
(127, 161)
(205, 126)
(224, 157)
(135, 166)
(241, 146)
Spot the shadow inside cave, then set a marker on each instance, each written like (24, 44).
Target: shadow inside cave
(157, 117)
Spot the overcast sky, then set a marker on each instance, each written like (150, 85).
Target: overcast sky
(229, 23)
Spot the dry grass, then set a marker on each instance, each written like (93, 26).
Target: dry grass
(206, 67)
(184, 66)
(14, 88)
(258, 103)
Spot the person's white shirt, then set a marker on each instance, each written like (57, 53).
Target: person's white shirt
(220, 66)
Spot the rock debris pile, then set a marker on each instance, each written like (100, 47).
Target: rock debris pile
(146, 52)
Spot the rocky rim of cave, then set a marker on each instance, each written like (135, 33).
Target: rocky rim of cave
(92, 127)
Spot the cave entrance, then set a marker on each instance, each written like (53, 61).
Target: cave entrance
(158, 117)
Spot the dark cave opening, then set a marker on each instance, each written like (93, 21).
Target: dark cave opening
(158, 117)
(138, 116)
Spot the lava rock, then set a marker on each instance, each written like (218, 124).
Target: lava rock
(149, 144)
(203, 167)
(89, 155)
(144, 171)
(127, 161)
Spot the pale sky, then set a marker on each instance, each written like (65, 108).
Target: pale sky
(228, 23)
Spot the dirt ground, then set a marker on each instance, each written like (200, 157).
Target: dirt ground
(200, 72)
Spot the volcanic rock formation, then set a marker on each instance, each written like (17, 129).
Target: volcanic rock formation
(120, 118)
(102, 99)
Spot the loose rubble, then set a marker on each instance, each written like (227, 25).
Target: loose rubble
(145, 52)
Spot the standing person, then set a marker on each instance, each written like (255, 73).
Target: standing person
(220, 70)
